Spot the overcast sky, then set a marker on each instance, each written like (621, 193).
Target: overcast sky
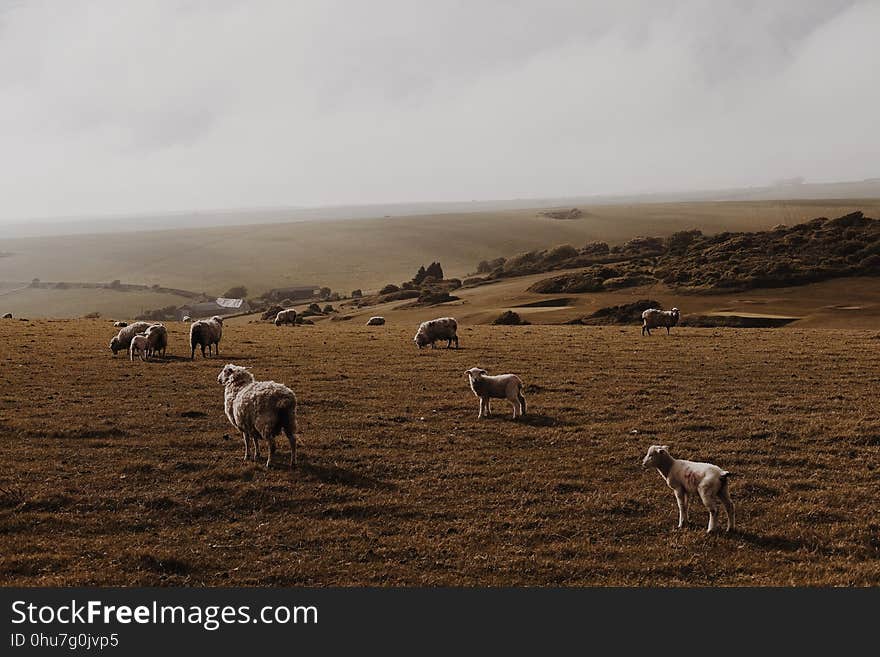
(144, 106)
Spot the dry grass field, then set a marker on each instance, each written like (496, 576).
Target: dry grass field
(119, 472)
(357, 253)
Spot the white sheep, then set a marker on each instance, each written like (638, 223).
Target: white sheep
(122, 340)
(654, 317)
(687, 478)
(206, 333)
(187, 318)
(375, 321)
(138, 347)
(501, 386)
(7, 316)
(157, 340)
(259, 409)
(285, 317)
(120, 324)
(443, 328)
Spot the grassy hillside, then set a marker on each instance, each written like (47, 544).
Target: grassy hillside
(366, 253)
(400, 484)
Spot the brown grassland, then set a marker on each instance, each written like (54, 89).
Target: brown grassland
(119, 473)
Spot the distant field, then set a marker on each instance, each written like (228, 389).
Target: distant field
(364, 253)
(29, 302)
(122, 475)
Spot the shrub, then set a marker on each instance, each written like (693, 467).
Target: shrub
(510, 318)
(388, 289)
(237, 292)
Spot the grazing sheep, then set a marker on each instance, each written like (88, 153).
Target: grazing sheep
(259, 409)
(122, 340)
(138, 347)
(187, 318)
(120, 324)
(653, 317)
(206, 333)
(157, 340)
(687, 478)
(7, 316)
(375, 321)
(501, 386)
(444, 328)
(285, 317)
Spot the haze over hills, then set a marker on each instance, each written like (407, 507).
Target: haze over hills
(791, 189)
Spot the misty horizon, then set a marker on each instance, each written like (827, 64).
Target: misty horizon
(188, 107)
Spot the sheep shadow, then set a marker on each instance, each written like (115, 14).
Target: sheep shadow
(768, 541)
(337, 475)
(540, 420)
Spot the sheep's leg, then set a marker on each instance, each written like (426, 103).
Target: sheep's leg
(515, 404)
(711, 503)
(247, 446)
(271, 440)
(522, 404)
(480, 414)
(456, 342)
(728, 507)
(290, 431)
(667, 330)
(488, 406)
(681, 497)
(254, 437)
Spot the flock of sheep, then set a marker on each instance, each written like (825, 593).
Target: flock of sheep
(266, 409)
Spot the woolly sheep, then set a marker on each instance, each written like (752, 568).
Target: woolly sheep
(687, 478)
(375, 321)
(120, 324)
(122, 340)
(157, 340)
(187, 318)
(206, 333)
(654, 317)
(285, 317)
(443, 328)
(259, 409)
(7, 316)
(501, 386)
(138, 347)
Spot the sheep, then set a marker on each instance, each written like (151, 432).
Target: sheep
(7, 316)
(122, 340)
(501, 386)
(654, 317)
(259, 409)
(187, 318)
(138, 347)
(687, 478)
(157, 340)
(443, 328)
(285, 317)
(120, 324)
(206, 333)
(375, 321)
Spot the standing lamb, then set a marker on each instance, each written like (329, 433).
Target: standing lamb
(259, 409)
(122, 340)
(157, 340)
(206, 333)
(443, 328)
(501, 386)
(375, 321)
(285, 317)
(654, 317)
(138, 347)
(687, 478)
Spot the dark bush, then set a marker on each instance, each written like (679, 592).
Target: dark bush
(510, 318)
